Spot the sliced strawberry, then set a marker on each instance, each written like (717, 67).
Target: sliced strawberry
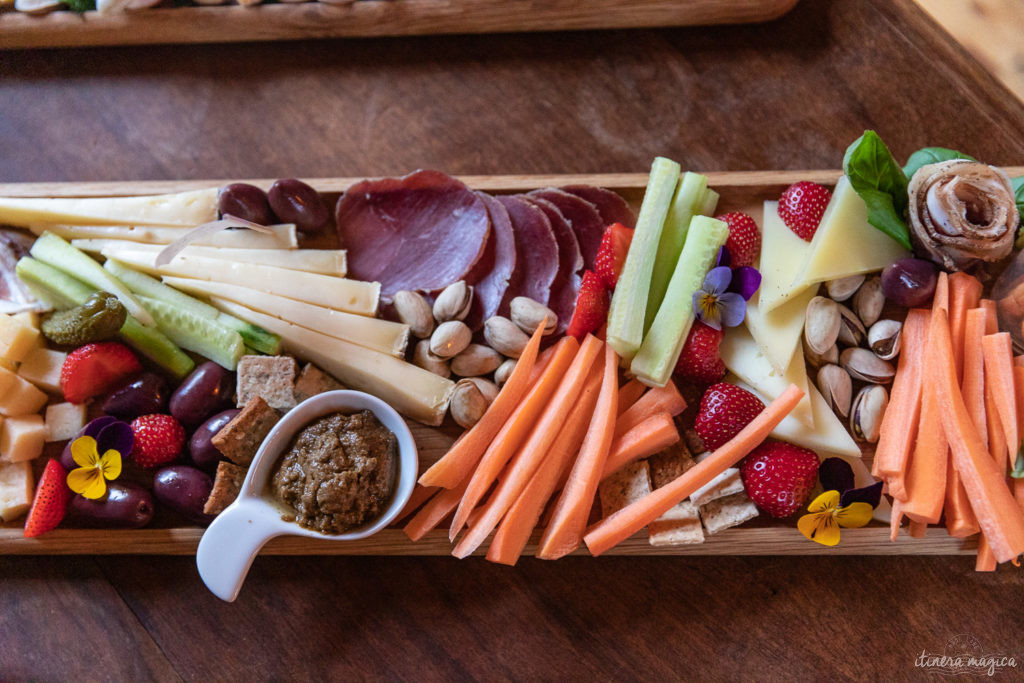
(50, 502)
(725, 409)
(699, 361)
(591, 306)
(779, 476)
(744, 243)
(611, 255)
(95, 369)
(801, 207)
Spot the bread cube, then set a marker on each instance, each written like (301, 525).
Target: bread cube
(271, 377)
(17, 489)
(22, 438)
(21, 398)
(42, 367)
(64, 420)
(16, 338)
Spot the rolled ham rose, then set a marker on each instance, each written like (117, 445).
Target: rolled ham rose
(962, 212)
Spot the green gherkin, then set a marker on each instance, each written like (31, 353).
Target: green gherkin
(98, 318)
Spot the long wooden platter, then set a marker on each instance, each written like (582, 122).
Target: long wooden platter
(742, 191)
(364, 18)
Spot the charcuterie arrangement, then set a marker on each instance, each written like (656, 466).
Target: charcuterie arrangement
(664, 366)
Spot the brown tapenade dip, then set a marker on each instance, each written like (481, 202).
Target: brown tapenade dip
(338, 473)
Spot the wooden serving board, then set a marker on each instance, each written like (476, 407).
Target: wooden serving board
(740, 191)
(363, 18)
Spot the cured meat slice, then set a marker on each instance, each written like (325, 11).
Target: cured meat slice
(496, 270)
(566, 286)
(586, 222)
(14, 295)
(612, 207)
(422, 231)
(536, 250)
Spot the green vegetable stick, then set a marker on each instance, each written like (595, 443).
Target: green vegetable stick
(654, 363)
(629, 303)
(709, 203)
(686, 203)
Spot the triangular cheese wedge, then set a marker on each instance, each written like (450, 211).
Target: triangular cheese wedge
(744, 358)
(782, 255)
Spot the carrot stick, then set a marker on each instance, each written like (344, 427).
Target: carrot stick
(564, 533)
(538, 444)
(514, 432)
(960, 519)
(517, 525)
(1018, 361)
(659, 399)
(629, 393)
(926, 471)
(995, 432)
(419, 496)
(434, 512)
(998, 351)
(964, 294)
(454, 467)
(998, 514)
(541, 365)
(651, 436)
(634, 517)
(991, 315)
(973, 383)
(940, 299)
(916, 529)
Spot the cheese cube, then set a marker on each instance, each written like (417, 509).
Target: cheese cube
(64, 420)
(30, 318)
(42, 367)
(21, 398)
(16, 338)
(22, 438)
(16, 489)
(9, 365)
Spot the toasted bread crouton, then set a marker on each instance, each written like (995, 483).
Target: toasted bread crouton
(271, 377)
(669, 464)
(239, 440)
(679, 526)
(730, 511)
(725, 484)
(626, 485)
(313, 381)
(227, 484)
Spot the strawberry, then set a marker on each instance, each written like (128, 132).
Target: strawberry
(50, 502)
(779, 476)
(725, 409)
(591, 306)
(699, 360)
(801, 207)
(744, 243)
(158, 439)
(611, 255)
(95, 369)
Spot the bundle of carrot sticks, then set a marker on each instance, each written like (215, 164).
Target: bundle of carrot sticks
(953, 427)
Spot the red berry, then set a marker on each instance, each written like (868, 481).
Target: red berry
(699, 360)
(50, 502)
(802, 206)
(611, 255)
(158, 439)
(744, 243)
(591, 307)
(95, 369)
(779, 476)
(725, 409)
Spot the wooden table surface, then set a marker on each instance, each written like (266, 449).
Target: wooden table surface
(791, 94)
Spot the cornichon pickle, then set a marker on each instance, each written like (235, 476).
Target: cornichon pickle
(99, 318)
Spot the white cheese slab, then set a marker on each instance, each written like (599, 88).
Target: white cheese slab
(181, 209)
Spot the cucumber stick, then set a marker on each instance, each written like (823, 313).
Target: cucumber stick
(206, 337)
(63, 291)
(657, 357)
(685, 205)
(629, 303)
(708, 204)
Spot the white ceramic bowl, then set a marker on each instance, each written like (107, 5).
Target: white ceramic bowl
(232, 541)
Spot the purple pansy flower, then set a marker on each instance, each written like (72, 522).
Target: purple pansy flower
(715, 305)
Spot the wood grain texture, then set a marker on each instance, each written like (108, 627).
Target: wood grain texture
(362, 18)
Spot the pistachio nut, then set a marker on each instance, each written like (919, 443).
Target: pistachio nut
(476, 360)
(851, 330)
(488, 388)
(413, 310)
(821, 324)
(505, 337)
(843, 288)
(504, 371)
(884, 338)
(867, 412)
(450, 338)
(865, 366)
(468, 404)
(453, 302)
(836, 388)
(527, 314)
(818, 359)
(869, 301)
(422, 357)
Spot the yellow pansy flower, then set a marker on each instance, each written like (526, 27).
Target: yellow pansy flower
(824, 518)
(90, 477)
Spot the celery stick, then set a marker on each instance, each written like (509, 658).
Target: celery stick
(626, 315)
(709, 203)
(657, 357)
(689, 194)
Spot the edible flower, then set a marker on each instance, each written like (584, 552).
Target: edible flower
(98, 451)
(841, 505)
(722, 300)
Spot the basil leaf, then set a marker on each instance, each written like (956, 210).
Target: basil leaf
(931, 155)
(880, 182)
(1018, 194)
(80, 5)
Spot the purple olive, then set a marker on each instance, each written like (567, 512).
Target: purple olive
(909, 282)
(245, 201)
(204, 392)
(204, 454)
(296, 202)
(126, 506)
(185, 490)
(143, 395)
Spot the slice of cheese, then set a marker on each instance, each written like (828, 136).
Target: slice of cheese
(17, 339)
(22, 438)
(351, 296)
(323, 261)
(777, 332)
(181, 209)
(411, 390)
(744, 358)
(782, 254)
(64, 420)
(283, 237)
(42, 367)
(845, 243)
(16, 489)
(373, 333)
(21, 397)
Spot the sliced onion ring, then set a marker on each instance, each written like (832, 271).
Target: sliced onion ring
(203, 231)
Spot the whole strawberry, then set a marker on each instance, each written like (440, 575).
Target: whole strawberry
(95, 369)
(591, 307)
(158, 439)
(779, 476)
(725, 409)
(801, 207)
(699, 361)
(611, 255)
(50, 502)
(744, 243)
